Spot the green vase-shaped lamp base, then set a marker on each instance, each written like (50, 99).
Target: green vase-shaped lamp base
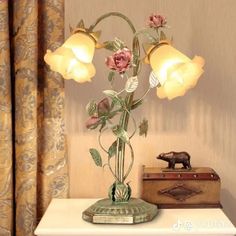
(106, 211)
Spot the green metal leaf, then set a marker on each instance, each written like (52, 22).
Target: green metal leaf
(96, 156)
(114, 45)
(121, 133)
(110, 93)
(112, 149)
(112, 104)
(80, 24)
(162, 36)
(111, 76)
(109, 45)
(91, 108)
(116, 100)
(136, 103)
(131, 84)
(143, 128)
(148, 32)
(153, 80)
(71, 29)
(119, 44)
(112, 114)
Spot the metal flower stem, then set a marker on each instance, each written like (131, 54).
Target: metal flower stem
(124, 119)
(125, 116)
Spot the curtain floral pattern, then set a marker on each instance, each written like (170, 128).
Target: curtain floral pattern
(33, 160)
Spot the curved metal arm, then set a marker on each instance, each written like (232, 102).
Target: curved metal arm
(102, 17)
(100, 142)
(109, 162)
(143, 96)
(124, 119)
(135, 44)
(131, 164)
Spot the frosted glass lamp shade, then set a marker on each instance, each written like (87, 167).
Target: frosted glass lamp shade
(82, 45)
(176, 72)
(73, 60)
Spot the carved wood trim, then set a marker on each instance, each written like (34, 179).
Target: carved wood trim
(181, 176)
(180, 192)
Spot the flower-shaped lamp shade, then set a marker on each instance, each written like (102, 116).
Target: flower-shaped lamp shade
(176, 72)
(82, 45)
(73, 60)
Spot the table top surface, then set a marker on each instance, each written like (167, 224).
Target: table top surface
(64, 217)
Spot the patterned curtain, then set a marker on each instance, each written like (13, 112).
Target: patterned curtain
(33, 161)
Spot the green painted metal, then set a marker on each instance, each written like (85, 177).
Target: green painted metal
(106, 211)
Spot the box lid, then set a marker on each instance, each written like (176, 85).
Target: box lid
(196, 173)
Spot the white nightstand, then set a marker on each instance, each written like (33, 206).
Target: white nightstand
(64, 217)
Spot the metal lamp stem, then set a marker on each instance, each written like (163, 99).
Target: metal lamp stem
(120, 174)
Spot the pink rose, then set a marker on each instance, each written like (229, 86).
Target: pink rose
(120, 60)
(103, 106)
(156, 21)
(92, 122)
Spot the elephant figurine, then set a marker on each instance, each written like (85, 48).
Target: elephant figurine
(175, 158)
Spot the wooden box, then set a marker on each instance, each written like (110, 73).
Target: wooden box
(196, 188)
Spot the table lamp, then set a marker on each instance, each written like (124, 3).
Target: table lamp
(172, 74)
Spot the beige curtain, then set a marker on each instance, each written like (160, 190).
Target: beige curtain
(33, 161)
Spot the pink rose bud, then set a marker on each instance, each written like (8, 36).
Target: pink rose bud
(156, 21)
(120, 60)
(103, 106)
(92, 122)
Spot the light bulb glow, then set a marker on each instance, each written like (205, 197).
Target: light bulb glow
(176, 72)
(82, 45)
(73, 59)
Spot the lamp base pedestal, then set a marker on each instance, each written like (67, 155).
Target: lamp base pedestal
(132, 212)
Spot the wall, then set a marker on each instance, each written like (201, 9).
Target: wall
(202, 122)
